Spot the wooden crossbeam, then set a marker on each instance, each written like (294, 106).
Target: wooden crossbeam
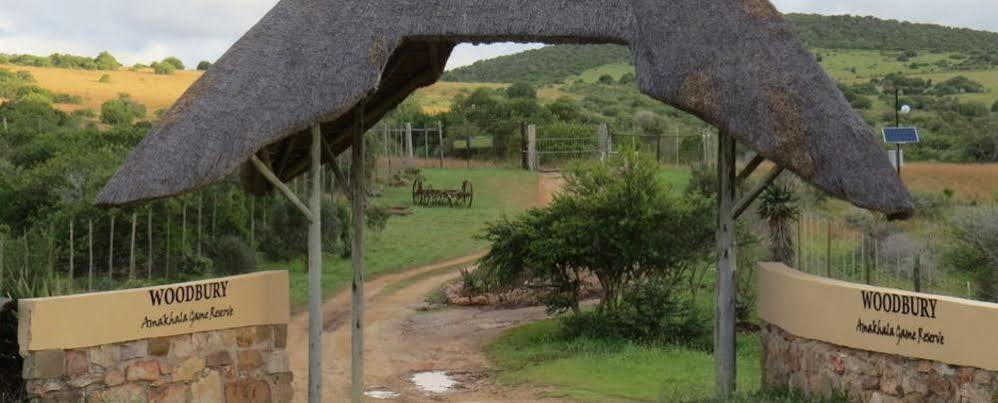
(747, 200)
(272, 178)
(750, 168)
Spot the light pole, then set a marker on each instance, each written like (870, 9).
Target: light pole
(898, 111)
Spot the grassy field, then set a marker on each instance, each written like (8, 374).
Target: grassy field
(861, 65)
(430, 235)
(603, 371)
(612, 70)
(988, 78)
(969, 181)
(154, 91)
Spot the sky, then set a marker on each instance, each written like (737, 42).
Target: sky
(141, 31)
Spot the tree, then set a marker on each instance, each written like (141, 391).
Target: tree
(204, 65)
(521, 90)
(175, 62)
(121, 111)
(615, 222)
(973, 248)
(606, 79)
(163, 68)
(778, 205)
(105, 61)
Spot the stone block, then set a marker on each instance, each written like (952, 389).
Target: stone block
(208, 389)
(114, 377)
(218, 359)
(159, 347)
(280, 387)
(245, 337)
(264, 336)
(181, 346)
(280, 336)
(105, 356)
(143, 371)
(250, 390)
(43, 386)
(172, 393)
(82, 381)
(208, 342)
(277, 362)
(124, 393)
(65, 396)
(188, 369)
(133, 349)
(44, 364)
(247, 360)
(77, 362)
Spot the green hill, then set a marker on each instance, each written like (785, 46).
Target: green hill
(557, 63)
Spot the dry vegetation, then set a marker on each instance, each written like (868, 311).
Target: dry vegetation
(154, 91)
(971, 181)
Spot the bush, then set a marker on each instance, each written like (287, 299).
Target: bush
(230, 255)
(190, 265)
(175, 62)
(104, 79)
(973, 240)
(204, 65)
(105, 61)
(994, 107)
(650, 312)
(163, 68)
(521, 90)
(121, 111)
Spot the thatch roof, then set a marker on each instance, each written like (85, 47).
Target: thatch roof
(736, 64)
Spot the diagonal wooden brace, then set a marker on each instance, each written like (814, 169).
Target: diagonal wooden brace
(272, 178)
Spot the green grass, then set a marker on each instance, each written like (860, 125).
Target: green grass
(601, 371)
(987, 78)
(838, 63)
(615, 70)
(477, 142)
(430, 235)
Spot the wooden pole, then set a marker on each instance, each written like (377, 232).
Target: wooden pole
(440, 142)
(828, 251)
(110, 251)
(169, 230)
(253, 220)
(149, 243)
(532, 160)
(131, 249)
(357, 260)
(916, 273)
(72, 267)
(408, 143)
(315, 272)
(724, 329)
(90, 241)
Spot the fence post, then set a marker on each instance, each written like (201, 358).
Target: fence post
(467, 144)
(658, 148)
(131, 249)
(828, 252)
(72, 268)
(90, 270)
(678, 148)
(408, 141)
(604, 141)
(110, 251)
(440, 142)
(916, 273)
(532, 148)
(388, 154)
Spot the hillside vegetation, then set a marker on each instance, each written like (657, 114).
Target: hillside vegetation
(554, 64)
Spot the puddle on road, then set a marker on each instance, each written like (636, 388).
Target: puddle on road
(434, 381)
(381, 394)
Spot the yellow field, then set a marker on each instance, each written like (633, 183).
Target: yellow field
(437, 97)
(154, 91)
(969, 181)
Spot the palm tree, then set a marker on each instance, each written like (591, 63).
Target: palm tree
(779, 207)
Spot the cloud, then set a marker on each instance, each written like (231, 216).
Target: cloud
(194, 30)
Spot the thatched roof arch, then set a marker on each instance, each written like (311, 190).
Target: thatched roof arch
(736, 64)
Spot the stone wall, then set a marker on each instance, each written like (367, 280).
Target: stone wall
(821, 369)
(247, 364)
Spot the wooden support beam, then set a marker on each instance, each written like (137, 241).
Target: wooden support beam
(315, 322)
(357, 258)
(272, 178)
(747, 200)
(724, 315)
(750, 168)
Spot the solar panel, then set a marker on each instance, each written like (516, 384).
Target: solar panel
(900, 135)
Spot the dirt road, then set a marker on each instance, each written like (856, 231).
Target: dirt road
(401, 339)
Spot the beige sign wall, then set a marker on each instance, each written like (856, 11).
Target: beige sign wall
(85, 320)
(946, 329)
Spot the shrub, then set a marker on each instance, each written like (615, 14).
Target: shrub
(105, 61)
(104, 79)
(121, 111)
(230, 255)
(163, 68)
(175, 62)
(606, 79)
(973, 240)
(994, 107)
(521, 90)
(190, 265)
(204, 65)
